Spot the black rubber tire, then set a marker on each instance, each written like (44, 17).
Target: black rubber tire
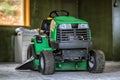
(99, 61)
(49, 62)
(30, 51)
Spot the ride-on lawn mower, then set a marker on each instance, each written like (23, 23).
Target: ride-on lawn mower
(64, 45)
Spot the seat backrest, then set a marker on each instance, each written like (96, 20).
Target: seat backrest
(45, 26)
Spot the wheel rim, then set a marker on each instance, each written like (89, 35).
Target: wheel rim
(91, 62)
(42, 63)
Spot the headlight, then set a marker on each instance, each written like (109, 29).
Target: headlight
(65, 26)
(82, 26)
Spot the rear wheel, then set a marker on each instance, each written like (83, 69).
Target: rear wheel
(30, 51)
(47, 62)
(96, 62)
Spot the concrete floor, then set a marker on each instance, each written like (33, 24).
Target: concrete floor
(8, 72)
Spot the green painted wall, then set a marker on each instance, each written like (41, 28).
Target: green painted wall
(6, 44)
(98, 13)
(40, 9)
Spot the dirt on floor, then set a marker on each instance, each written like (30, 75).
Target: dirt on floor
(8, 72)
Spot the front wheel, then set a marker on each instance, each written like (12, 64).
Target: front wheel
(96, 61)
(47, 62)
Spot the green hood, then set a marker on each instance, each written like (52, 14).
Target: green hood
(68, 20)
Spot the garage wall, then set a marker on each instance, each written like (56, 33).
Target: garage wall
(6, 44)
(40, 9)
(98, 14)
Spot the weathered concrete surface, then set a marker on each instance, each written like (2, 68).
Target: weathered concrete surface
(8, 72)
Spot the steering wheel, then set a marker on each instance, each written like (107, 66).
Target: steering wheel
(58, 13)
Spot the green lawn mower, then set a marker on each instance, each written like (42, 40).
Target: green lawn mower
(65, 44)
